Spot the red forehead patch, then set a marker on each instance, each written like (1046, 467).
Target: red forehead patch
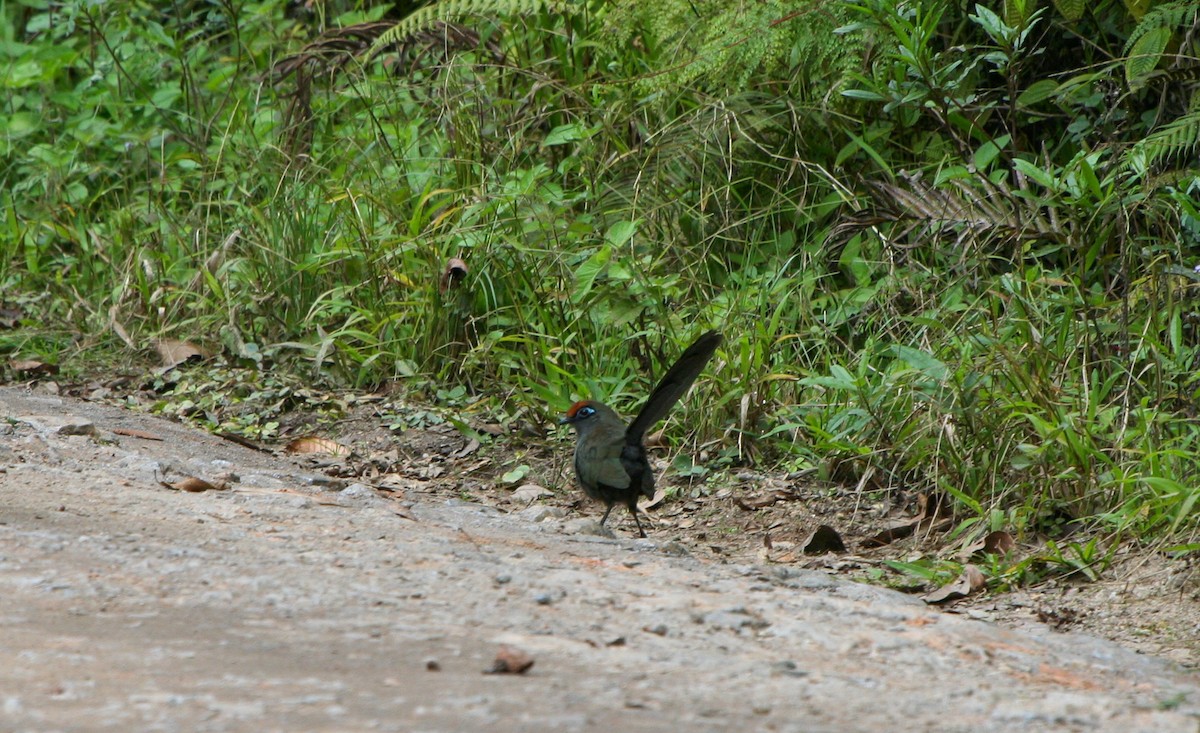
(576, 407)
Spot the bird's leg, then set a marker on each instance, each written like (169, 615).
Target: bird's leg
(633, 511)
(606, 513)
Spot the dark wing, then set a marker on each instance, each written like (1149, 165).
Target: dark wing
(674, 384)
(600, 464)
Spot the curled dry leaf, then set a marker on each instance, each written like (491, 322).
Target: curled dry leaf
(823, 539)
(510, 660)
(454, 273)
(529, 493)
(313, 444)
(656, 439)
(493, 429)
(893, 533)
(130, 432)
(999, 543)
(32, 367)
(969, 581)
(10, 317)
(994, 543)
(933, 504)
(471, 446)
(174, 352)
(923, 525)
(659, 495)
(759, 502)
(195, 485)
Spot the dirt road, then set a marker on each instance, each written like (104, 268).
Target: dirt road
(287, 603)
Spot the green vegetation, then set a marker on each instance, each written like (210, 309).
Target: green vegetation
(951, 246)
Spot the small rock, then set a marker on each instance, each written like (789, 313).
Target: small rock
(656, 629)
(789, 668)
(360, 494)
(57, 425)
(734, 619)
(510, 660)
(538, 513)
(547, 598)
(674, 549)
(588, 527)
(502, 579)
(433, 665)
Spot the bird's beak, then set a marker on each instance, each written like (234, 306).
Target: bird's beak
(564, 420)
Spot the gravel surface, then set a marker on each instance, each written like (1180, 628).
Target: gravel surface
(287, 602)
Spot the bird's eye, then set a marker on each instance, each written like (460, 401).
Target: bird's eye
(586, 411)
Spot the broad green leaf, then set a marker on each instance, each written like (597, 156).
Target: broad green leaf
(921, 361)
(1145, 54)
(1016, 12)
(585, 276)
(1031, 171)
(1037, 92)
(1071, 9)
(620, 233)
(569, 133)
(988, 152)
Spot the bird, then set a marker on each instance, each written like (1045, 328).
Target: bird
(610, 458)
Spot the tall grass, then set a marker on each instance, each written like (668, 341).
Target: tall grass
(1030, 352)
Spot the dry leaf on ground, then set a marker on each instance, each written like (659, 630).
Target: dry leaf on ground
(823, 539)
(174, 352)
(969, 581)
(313, 444)
(510, 660)
(195, 485)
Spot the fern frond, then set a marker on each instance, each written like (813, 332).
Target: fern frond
(1168, 15)
(1176, 139)
(452, 11)
(723, 46)
(973, 207)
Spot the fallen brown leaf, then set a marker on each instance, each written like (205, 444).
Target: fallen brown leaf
(454, 273)
(999, 543)
(471, 446)
(195, 485)
(313, 444)
(994, 543)
(510, 660)
(529, 493)
(136, 434)
(761, 502)
(924, 525)
(823, 539)
(969, 581)
(10, 317)
(659, 495)
(32, 367)
(174, 352)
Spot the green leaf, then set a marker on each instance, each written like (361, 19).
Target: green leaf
(569, 133)
(1145, 54)
(1137, 8)
(1071, 9)
(1031, 171)
(988, 152)
(1037, 92)
(922, 361)
(620, 233)
(585, 276)
(19, 124)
